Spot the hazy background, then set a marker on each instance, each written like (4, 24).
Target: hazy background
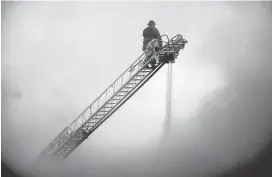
(59, 56)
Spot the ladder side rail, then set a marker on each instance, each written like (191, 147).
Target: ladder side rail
(132, 92)
(129, 79)
(107, 89)
(121, 86)
(102, 119)
(60, 141)
(53, 148)
(136, 61)
(137, 69)
(49, 147)
(64, 143)
(121, 76)
(89, 108)
(140, 84)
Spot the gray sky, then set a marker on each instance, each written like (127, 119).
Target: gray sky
(59, 56)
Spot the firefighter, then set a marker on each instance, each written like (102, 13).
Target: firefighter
(150, 33)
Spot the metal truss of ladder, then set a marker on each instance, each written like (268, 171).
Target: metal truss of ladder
(131, 80)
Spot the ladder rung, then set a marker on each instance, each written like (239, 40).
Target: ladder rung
(118, 96)
(128, 88)
(94, 118)
(63, 151)
(66, 148)
(126, 91)
(113, 102)
(89, 127)
(100, 114)
(92, 123)
(137, 76)
(131, 84)
(68, 144)
(146, 70)
(121, 95)
(123, 91)
(115, 99)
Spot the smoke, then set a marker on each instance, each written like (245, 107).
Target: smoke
(220, 102)
(231, 124)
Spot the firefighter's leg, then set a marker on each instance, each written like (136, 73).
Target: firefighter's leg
(153, 63)
(148, 55)
(146, 60)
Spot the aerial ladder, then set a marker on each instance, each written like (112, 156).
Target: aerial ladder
(158, 52)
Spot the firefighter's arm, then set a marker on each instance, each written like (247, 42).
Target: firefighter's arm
(159, 37)
(145, 33)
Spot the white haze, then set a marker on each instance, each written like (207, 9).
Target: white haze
(58, 56)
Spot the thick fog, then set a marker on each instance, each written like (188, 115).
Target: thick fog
(59, 56)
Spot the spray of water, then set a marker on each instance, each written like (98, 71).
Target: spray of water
(168, 100)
